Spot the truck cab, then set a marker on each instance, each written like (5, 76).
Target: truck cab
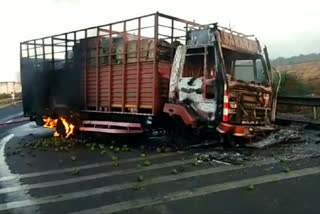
(220, 80)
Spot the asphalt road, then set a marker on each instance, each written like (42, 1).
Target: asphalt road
(11, 112)
(84, 181)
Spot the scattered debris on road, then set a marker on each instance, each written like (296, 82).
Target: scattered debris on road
(281, 136)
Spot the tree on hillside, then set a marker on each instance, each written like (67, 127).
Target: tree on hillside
(291, 86)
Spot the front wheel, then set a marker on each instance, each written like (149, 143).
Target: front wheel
(181, 135)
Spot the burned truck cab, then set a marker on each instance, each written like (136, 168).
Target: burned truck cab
(221, 81)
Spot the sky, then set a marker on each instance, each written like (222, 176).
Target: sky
(287, 27)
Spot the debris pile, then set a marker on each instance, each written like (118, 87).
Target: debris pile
(223, 157)
(281, 136)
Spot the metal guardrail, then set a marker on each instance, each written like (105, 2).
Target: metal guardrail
(312, 101)
(299, 100)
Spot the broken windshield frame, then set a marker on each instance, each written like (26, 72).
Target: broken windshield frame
(250, 69)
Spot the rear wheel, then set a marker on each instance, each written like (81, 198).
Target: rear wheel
(61, 130)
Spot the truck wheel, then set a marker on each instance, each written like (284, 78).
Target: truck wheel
(180, 135)
(227, 140)
(39, 121)
(60, 128)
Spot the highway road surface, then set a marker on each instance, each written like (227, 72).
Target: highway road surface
(81, 180)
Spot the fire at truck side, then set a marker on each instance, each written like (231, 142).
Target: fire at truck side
(146, 73)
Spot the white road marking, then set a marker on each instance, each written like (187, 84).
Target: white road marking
(92, 177)
(3, 164)
(138, 203)
(12, 116)
(9, 121)
(4, 169)
(88, 166)
(117, 187)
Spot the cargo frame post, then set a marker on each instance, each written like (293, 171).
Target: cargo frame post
(155, 65)
(110, 69)
(124, 61)
(138, 67)
(85, 73)
(97, 67)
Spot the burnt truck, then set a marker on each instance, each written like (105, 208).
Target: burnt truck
(150, 72)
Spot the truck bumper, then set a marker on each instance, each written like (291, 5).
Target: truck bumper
(243, 131)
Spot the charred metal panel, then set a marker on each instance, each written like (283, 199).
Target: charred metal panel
(201, 37)
(239, 42)
(36, 86)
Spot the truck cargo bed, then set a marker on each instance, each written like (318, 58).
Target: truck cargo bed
(137, 91)
(121, 67)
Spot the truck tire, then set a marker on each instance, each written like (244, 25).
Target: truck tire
(227, 140)
(180, 135)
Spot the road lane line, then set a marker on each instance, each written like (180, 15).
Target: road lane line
(4, 169)
(3, 164)
(12, 116)
(92, 177)
(138, 203)
(88, 166)
(123, 186)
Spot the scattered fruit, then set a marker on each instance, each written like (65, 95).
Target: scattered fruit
(117, 149)
(143, 155)
(196, 163)
(174, 171)
(114, 158)
(136, 187)
(101, 146)
(250, 187)
(103, 152)
(76, 171)
(73, 158)
(111, 147)
(147, 163)
(115, 164)
(159, 150)
(286, 170)
(140, 178)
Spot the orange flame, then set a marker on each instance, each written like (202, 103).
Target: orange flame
(52, 123)
(68, 127)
